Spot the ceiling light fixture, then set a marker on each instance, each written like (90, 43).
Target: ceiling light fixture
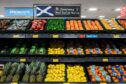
(92, 9)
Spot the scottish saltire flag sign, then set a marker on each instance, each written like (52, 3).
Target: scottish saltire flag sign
(44, 11)
(57, 10)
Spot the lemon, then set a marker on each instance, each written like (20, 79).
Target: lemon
(1, 72)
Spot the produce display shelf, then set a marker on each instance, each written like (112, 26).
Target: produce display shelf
(61, 31)
(86, 68)
(90, 35)
(62, 83)
(27, 29)
(62, 59)
(55, 35)
(67, 56)
(30, 28)
(12, 35)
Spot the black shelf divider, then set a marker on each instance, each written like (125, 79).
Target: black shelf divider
(77, 59)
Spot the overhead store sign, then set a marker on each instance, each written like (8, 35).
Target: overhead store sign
(18, 12)
(57, 10)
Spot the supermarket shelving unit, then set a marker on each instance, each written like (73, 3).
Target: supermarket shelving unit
(62, 58)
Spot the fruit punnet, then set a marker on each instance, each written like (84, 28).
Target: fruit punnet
(92, 25)
(4, 24)
(110, 48)
(19, 25)
(75, 73)
(122, 47)
(111, 24)
(38, 24)
(56, 47)
(55, 24)
(74, 48)
(117, 72)
(98, 74)
(123, 23)
(92, 48)
(55, 73)
(74, 25)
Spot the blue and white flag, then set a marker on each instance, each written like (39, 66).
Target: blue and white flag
(44, 11)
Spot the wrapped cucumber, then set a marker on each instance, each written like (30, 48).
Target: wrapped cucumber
(4, 50)
(14, 51)
(42, 51)
(23, 49)
(32, 50)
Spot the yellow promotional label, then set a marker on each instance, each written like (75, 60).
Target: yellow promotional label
(23, 60)
(14, 83)
(55, 60)
(116, 36)
(66, 83)
(16, 36)
(105, 60)
(55, 36)
(103, 83)
(35, 36)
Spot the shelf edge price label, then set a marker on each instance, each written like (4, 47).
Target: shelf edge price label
(116, 36)
(14, 83)
(23, 60)
(35, 36)
(91, 36)
(16, 36)
(82, 36)
(55, 36)
(103, 83)
(66, 83)
(105, 60)
(55, 60)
